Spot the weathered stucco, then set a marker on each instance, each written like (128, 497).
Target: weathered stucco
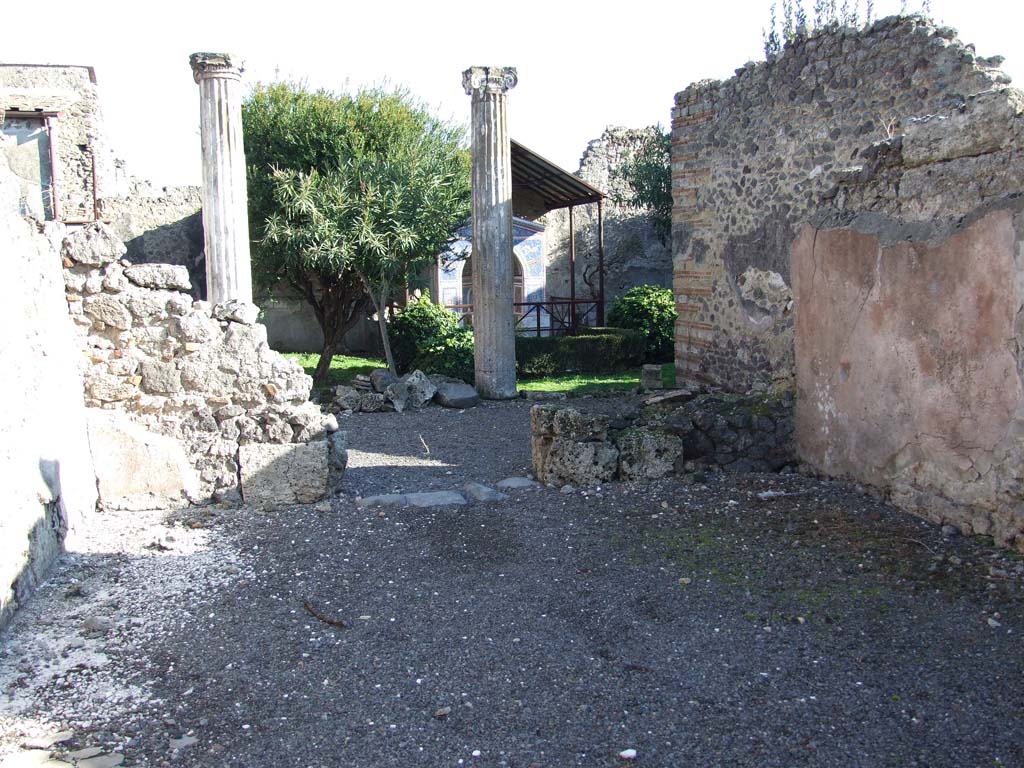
(918, 390)
(847, 219)
(48, 482)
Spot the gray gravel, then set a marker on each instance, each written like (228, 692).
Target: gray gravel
(697, 624)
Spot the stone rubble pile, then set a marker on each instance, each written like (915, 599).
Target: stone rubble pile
(187, 370)
(750, 433)
(383, 391)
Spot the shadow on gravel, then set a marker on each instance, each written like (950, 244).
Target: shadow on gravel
(700, 625)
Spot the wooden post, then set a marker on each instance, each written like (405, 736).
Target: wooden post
(600, 262)
(572, 273)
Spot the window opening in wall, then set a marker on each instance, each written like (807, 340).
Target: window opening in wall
(26, 144)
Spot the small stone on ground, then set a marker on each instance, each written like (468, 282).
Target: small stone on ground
(480, 492)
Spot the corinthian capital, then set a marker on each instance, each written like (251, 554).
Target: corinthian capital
(489, 79)
(215, 65)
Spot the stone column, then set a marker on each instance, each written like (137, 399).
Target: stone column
(493, 318)
(225, 213)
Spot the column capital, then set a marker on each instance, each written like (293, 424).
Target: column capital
(489, 79)
(206, 65)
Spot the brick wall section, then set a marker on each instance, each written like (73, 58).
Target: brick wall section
(754, 156)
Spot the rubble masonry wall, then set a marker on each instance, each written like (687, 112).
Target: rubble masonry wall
(752, 157)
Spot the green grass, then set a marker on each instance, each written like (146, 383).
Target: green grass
(344, 368)
(584, 383)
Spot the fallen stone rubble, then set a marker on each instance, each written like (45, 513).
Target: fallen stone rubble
(383, 391)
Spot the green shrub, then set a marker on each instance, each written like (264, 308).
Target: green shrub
(598, 350)
(451, 355)
(651, 310)
(418, 328)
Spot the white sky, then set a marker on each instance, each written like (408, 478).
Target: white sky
(582, 65)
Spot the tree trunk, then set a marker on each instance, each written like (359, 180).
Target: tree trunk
(339, 306)
(385, 339)
(379, 306)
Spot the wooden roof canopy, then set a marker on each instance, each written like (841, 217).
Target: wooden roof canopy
(539, 186)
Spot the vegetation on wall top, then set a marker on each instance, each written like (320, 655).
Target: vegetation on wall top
(790, 19)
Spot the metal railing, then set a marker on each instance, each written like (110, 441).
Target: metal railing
(552, 317)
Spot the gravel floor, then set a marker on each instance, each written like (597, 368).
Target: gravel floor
(698, 625)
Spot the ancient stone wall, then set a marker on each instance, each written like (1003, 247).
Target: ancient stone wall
(909, 293)
(634, 253)
(160, 226)
(752, 157)
(48, 483)
(79, 142)
(200, 374)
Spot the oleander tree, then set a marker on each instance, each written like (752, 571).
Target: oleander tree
(349, 195)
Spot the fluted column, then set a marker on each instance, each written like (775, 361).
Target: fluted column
(493, 318)
(225, 215)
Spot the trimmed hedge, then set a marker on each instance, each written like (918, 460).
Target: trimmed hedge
(599, 350)
(427, 336)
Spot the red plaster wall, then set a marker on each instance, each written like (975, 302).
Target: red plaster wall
(907, 375)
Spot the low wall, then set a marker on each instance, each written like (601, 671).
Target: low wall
(729, 432)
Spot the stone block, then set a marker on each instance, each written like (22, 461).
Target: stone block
(456, 395)
(337, 460)
(94, 245)
(238, 312)
(579, 463)
(381, 379)
(481, 492)
(274, 474)
(347, 398)
(518, 484)
(108, 389)
(650, 378)
(164, 276)
(160, 378)
(647, 455)
(109, 311)
(195, 327)
(371, 402)
(135, 468)
(420, 389)
(435, 498)
(542, 419)
(570, 424)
